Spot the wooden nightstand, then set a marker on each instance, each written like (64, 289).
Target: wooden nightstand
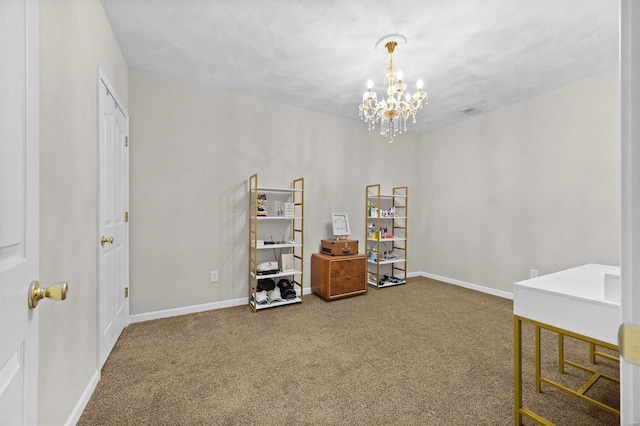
(335, 277)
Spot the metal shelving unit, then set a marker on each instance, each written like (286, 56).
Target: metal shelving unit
(265, 226)
(386, 251)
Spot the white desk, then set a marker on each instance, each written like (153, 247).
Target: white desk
(571, 303)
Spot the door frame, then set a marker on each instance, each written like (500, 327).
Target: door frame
(630, 198)
(104, 80)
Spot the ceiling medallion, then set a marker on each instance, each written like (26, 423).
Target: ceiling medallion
(392, 112)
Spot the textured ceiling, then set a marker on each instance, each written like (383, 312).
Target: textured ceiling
(319, 54)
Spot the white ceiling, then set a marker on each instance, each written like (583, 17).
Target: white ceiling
(319, 54)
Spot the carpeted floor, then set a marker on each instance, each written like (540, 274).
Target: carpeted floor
(424, 353)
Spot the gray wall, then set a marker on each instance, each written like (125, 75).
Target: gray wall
(531, 185)
(193, 147)
(75, 37)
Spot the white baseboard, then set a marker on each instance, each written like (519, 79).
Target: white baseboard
(74, 417)
(148, 316)
(476, 287)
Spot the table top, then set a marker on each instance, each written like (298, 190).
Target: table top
(584, 282)
(572, 300)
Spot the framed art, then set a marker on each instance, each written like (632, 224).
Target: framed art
(340, 223)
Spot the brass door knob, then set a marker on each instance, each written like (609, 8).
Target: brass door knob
(104, 239)
(58, 291)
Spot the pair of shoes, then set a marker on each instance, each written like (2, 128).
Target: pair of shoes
(395, 280)
(384, 279)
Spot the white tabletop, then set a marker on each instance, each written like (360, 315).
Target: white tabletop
(572, 300)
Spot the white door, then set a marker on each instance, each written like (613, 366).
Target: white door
(630, 162)
(18, 210)
(113, 226)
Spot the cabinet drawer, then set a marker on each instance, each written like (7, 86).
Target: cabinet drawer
(347, 267)
(348, 284)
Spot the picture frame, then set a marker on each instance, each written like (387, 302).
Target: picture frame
(340, 223)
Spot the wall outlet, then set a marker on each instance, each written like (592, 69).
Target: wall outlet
(214, 276)
(533, 273)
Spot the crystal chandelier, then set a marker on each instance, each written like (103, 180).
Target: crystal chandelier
(399, 105)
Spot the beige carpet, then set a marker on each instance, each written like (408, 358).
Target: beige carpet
(424, 353)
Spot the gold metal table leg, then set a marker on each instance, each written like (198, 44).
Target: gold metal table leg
(517, 368)
(519, 410)
(561, 353)
(537, 358)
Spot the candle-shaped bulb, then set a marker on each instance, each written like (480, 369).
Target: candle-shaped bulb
(370, 84)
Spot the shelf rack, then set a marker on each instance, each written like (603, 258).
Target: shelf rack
(294, 224)
(384, 211)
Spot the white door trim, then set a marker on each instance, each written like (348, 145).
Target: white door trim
(105, 347)
(630, 220)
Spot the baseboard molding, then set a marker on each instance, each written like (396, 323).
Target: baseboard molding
(74, 417)
(148, 316)
(476, 287)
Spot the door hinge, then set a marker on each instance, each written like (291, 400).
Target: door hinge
(126, 141)
(126, 292)
(126, 216)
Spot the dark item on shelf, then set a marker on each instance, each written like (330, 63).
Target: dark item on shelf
(266, 284)
(262, 205)
(286, 289)
(386, 279)
(339, 248)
